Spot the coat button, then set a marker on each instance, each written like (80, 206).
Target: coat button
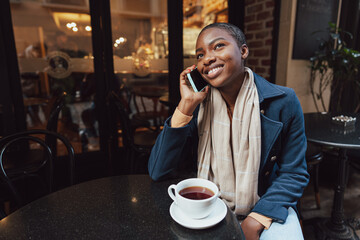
(267, 173)
(262, 111)
(273, 158)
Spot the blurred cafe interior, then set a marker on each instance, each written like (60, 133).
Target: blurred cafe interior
(69, 56)
(57, 43)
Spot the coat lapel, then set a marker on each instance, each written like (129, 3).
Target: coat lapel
(266, 89)
(270, 129)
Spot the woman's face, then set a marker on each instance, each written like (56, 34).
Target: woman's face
(219, 59)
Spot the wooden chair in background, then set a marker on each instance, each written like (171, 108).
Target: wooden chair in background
(147, 104)
(137, 144)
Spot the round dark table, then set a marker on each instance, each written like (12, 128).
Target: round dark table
(320, 129)
(121, 207)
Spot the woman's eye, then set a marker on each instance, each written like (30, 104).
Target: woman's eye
(219, 45)
(199, 56)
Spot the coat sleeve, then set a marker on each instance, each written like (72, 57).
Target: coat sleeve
(290, 172)
(174, 148)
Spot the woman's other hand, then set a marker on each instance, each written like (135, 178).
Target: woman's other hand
(251, 228)
(189, 99)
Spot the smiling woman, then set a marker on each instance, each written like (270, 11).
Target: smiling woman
(233, 131)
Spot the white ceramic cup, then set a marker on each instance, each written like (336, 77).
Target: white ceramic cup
(196, 209)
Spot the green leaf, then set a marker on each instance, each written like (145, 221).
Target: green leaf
(332, 25)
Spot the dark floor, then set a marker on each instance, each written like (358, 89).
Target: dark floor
(327, 179)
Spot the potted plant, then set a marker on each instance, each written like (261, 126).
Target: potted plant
(337, 66)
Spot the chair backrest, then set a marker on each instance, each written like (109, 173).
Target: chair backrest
(152, 93)
(47, 163)
(48, 160)
(57, 104)
(127, 133)
(126, 96)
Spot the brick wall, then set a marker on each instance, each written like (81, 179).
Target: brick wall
(259, 18)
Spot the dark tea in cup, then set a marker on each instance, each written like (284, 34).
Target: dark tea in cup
(195, 197)
(196, 193)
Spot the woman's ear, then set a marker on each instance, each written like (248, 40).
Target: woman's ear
(244, 51)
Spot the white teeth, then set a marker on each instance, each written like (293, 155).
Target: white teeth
(214, 70)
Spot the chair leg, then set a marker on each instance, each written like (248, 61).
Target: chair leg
(316, 186)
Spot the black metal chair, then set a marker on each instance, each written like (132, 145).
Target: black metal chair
(127, 97)
(137, 144)
(57, 104)
(354, 159)
(33, 156)
(313, 157)
(18, 175)
(156, 113)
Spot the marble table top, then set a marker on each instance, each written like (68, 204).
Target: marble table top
(120, 207)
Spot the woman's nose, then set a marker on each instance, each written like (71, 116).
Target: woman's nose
(209, 59)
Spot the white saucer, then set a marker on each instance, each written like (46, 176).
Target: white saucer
(214, 218)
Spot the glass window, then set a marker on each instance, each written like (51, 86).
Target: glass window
(82, 3)
(54, 48)
(140, 46)
(198, 14)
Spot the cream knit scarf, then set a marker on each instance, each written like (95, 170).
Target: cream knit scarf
(229, 154)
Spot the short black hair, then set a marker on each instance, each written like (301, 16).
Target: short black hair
(233, 30)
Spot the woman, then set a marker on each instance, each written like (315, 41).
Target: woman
(243, 133)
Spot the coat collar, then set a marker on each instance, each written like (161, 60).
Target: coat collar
(266, 89)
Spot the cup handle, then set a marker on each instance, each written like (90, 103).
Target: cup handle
(170, 192)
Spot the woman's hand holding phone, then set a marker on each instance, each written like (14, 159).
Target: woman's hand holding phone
(189, 98)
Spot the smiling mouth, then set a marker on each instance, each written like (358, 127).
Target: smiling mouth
(214, 71)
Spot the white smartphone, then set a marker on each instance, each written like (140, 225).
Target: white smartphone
(196, 80)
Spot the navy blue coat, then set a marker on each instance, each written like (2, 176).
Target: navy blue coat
(282, 175)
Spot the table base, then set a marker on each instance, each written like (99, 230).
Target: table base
(325, 231)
